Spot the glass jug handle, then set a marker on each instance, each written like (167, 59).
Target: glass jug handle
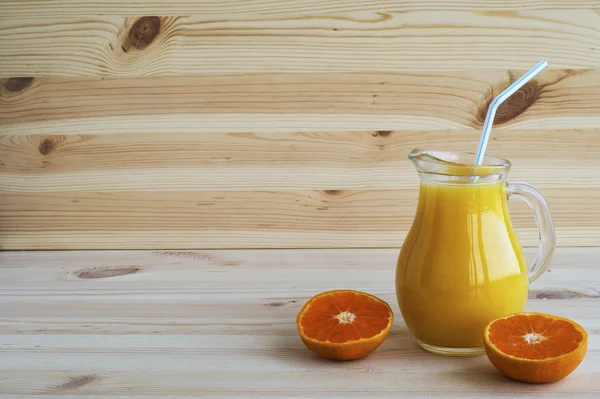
(538, 204)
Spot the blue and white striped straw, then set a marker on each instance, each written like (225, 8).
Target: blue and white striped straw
(489, 118)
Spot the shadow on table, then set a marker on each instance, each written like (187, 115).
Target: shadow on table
(481, 374)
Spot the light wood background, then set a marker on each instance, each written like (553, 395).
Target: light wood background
(228, 124)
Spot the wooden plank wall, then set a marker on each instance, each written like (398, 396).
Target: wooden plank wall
(267, 124)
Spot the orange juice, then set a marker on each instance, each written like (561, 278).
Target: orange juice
(461, 264)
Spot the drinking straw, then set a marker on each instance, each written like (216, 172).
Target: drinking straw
(489, 118)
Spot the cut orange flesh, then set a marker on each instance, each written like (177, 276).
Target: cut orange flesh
(535, 347)
(344, 324)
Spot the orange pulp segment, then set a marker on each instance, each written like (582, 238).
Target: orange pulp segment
(535, 347)
(344, 324)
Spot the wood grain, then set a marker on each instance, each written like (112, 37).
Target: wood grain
(222, 190)
(334, 42)
(218, 8)
(221, 324)
(246, 219)
(241, 161)
(460, 98)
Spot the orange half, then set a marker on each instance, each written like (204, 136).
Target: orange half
(535, 347)
(344, 324)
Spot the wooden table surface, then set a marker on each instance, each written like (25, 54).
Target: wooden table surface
(221, 324)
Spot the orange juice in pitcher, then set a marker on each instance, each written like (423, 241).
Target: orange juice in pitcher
(461, 265)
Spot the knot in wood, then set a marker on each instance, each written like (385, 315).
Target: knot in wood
(382, 133)
(514, 106)
(142, 33)
(106, 272)
(14, 85)
(46, 146)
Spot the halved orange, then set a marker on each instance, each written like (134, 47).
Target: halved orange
(535, 347)
(344, 324)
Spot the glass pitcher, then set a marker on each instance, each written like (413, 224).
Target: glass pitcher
(461, 265)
